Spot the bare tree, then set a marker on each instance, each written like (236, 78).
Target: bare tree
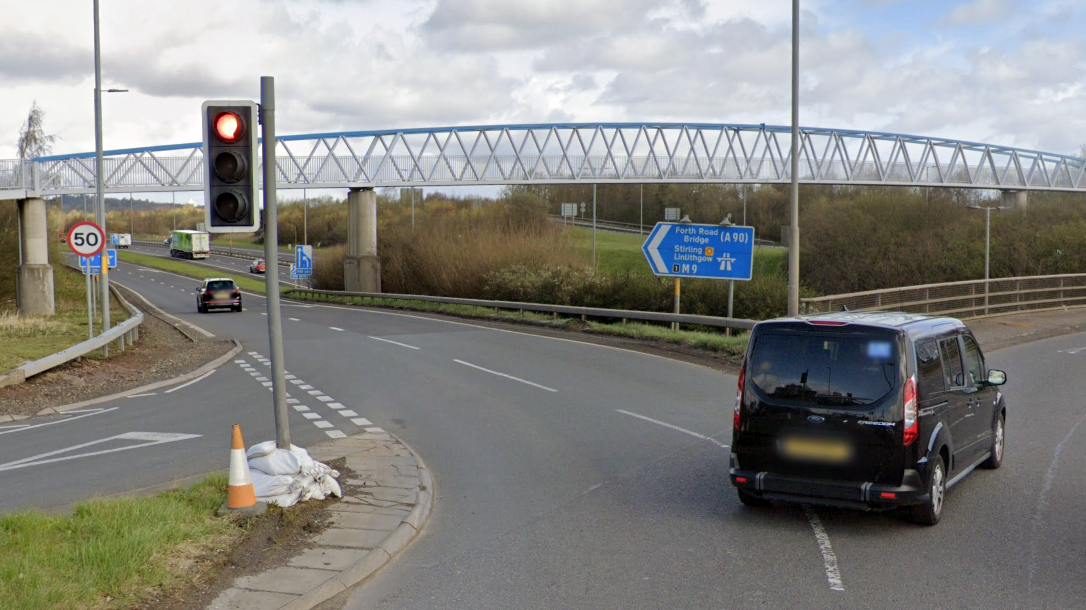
(33, 141)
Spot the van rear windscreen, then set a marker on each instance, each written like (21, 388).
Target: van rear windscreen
(832, 369)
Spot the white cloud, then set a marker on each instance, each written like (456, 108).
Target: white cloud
(980, 12)
(366, 64)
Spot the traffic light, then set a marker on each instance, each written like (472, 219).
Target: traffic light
(230, 161)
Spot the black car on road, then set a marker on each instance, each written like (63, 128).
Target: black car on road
(218, 292)
(865, 410)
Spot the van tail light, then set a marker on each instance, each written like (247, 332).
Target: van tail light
(912, 420)
(739, 396)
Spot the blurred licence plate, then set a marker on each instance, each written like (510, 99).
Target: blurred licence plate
(813, 449)
(219, 296)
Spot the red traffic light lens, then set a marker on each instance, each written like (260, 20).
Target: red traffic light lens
(228, 127)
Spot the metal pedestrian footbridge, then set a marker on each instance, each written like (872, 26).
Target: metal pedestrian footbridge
(602, 153)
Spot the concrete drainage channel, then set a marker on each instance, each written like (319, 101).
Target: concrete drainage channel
(367, 529)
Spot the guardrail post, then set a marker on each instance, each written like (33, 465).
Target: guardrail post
(927, 300)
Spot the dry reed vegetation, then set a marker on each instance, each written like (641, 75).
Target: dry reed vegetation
(454, 245)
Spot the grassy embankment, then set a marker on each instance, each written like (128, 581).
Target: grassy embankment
(192, 270)
(110, 551)
(24, 338)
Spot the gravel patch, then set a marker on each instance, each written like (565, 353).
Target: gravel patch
(161, 353)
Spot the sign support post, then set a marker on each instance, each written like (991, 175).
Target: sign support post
(682, 249)
(90, 306)
(675, 325)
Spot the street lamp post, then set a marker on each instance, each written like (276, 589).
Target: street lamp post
(99, 173)
(793, 228)
(987, 243)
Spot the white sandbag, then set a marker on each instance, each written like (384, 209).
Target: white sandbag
(283, 501)
(267, 485)
(286, 477)
(277, 462)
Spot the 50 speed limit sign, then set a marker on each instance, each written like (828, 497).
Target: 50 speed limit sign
(86, 238)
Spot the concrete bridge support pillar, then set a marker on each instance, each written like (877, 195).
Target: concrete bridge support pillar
(1014, 199)
(362, 267)
(34, 280)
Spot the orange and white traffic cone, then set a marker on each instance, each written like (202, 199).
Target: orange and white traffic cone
(240, 494)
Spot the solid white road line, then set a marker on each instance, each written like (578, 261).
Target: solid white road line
(200, 378)
(674, 427)
(139, 395)
(151, 438)
(476, 366)
(833, 571)
(60, 421)
(393, 342)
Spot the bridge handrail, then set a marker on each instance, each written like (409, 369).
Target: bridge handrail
(964, 299)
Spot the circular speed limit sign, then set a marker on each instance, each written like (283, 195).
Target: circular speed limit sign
(86, 238)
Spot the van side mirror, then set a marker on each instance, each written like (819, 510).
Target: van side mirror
(996, 377)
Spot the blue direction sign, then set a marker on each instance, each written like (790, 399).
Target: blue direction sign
(303, 263)
(93, 264)
(722, 252)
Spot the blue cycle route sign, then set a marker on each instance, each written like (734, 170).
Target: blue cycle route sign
(722, 252)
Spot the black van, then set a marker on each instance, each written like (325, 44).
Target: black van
(865, 410)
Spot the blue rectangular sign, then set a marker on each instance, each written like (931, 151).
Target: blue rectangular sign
(723, 252)
(303, 257)
(93, 264)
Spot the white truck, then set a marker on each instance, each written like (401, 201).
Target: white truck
(120, 240)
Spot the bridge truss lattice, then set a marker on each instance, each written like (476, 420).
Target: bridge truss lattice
(573, 153)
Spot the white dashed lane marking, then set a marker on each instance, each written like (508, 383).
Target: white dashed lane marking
(305, 411)
(393, 342)
(674, 427)
(524, 381)
(336, 329)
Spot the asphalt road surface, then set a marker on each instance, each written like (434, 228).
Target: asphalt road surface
(570, 475)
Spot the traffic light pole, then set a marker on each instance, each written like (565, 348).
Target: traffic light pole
(271, 254)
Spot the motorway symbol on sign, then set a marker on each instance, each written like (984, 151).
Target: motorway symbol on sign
(93, 264)
(86, 238)
(705, 251)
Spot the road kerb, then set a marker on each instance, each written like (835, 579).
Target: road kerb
(385, 451)
(214, 364)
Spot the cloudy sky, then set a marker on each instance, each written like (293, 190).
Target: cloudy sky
(1008, 72)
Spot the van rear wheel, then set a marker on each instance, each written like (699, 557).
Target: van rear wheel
(751, 500)
(931, 510)
(996, 459)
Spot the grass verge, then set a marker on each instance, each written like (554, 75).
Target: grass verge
(711, 341)
(28, 338)
(108, 551)
(191, 270)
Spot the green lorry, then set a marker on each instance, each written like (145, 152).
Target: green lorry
(190, 244)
